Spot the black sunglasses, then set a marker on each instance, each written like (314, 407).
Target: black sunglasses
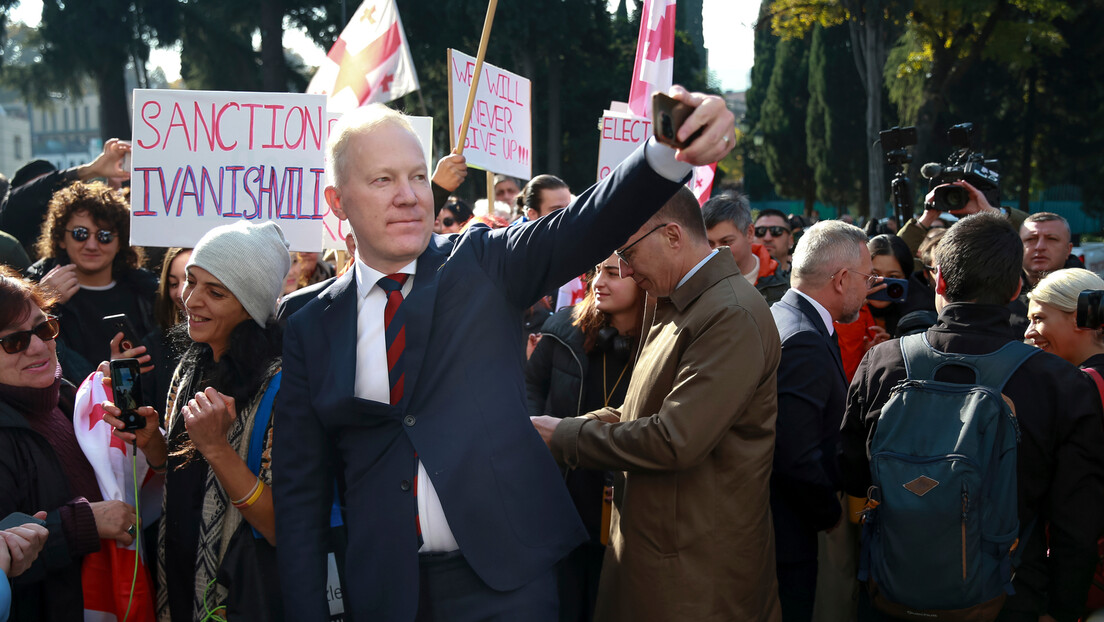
(20, 341)
(80, 234)
(448, 221)
(775, 231)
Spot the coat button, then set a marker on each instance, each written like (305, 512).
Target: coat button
(405, 485)
(409, 421)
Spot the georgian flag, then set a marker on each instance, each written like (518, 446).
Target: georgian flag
(653, 71)
(369, 63)
(107, 575)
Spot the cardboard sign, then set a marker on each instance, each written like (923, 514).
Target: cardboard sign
(500, 135)
(621, 132)
(202, 159)
(334, 230)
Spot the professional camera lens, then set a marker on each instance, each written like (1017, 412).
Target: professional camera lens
(948, 198)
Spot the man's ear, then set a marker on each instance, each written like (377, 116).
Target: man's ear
(673, 234)
(750, 233)
(333, 199)
(941, 285)
(531, 213)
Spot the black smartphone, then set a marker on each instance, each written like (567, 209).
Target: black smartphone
(126, 384)
(896, 290)
(668, 114)
(16, 519)
(121, 324)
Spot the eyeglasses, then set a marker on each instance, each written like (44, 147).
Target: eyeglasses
(20, 341)
(775, 231)
(448, 221)
(80, 234)
(622, 256)
(871, 279)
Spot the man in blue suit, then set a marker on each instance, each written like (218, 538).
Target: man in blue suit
(403, 382)
(829, 282)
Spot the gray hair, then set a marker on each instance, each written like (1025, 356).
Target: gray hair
(357, 121)
(730, 207)
(825, 248)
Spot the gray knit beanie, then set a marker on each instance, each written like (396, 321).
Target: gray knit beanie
(250, 260)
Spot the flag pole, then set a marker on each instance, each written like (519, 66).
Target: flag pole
(475, 77)
(490, 193)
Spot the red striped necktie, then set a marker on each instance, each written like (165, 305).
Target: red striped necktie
(394, 330)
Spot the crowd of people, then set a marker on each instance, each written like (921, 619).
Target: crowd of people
(714, 427)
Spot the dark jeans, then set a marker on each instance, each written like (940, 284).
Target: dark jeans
(797, 590)
(450, 591)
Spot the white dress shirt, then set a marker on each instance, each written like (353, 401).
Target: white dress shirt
(373, 383)
(695, 269)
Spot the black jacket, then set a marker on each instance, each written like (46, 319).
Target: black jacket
(143, 285)
(32, 479)
(812, 390)
(1060, 460)
(555, 372)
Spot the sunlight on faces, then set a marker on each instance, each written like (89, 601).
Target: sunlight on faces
(613, 294)
(780, 246)
(856, 287)
(213, 310)
(506, 191)
(177, 277)
(1046, 245)
(645, 259)
(385, 195)
(725, 233)
(552, 200)
(91, 257)
(886, 266)
(35, 366)
(1052, 330)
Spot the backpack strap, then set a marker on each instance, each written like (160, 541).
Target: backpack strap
(992, 370)
(1095, 375)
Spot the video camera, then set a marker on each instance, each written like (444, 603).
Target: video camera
(1088, 309)
(963, 164)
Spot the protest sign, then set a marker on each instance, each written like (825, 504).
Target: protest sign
(334, 230)
(206, 158)
(499, 136)
(621, 133)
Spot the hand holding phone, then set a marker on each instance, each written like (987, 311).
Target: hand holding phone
(127, 388)
(668, 115)
(16, 519)
(895, 290)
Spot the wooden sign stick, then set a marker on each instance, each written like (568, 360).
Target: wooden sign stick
(475, 77)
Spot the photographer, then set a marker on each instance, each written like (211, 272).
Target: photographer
(914, 230)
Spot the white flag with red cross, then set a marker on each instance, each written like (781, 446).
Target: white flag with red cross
(654, 70)
(369, 63)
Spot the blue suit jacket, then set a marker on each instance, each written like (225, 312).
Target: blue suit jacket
(463, 411)
(812, 396)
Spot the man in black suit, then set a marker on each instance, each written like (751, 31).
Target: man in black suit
(403, 382)
(829, 282)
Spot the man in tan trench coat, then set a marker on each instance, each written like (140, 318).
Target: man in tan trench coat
(691, 538)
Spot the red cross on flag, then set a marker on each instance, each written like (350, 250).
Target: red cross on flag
(653, 70)
(369, 63)
(655, 50)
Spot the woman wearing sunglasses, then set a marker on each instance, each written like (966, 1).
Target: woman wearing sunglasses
(452, 217)
(42, 467)
(91, 268)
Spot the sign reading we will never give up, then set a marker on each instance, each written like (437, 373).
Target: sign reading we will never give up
(500, 136)
(204, 158)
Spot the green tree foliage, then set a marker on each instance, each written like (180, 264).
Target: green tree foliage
(782, 123)
(757, 183)
(834, 125)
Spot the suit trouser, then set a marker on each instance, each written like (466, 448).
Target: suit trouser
(450, 591)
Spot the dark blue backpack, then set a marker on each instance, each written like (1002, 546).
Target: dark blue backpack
(941, 526)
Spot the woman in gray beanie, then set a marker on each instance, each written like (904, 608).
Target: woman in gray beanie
(217, 459)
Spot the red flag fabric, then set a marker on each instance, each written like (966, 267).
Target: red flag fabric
(369, 63)
(655, 49)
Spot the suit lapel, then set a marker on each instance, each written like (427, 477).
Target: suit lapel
(418, 309)
(339, 325)
(804, 306)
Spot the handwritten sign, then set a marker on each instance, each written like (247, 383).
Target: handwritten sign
(621, 133)
(334, 230)
(205, 158)
(500, 135)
